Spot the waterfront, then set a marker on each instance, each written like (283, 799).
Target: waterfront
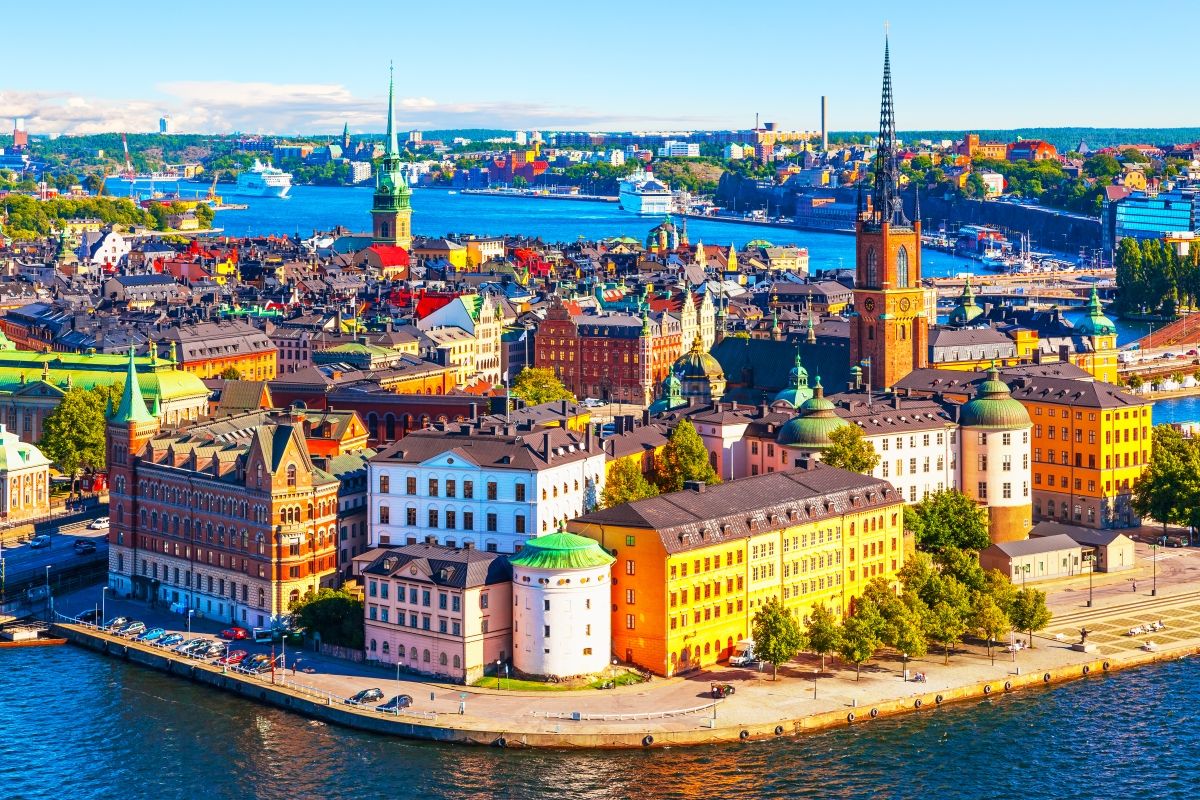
(119, 730)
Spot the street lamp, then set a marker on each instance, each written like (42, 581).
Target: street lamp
(1154, 570)
(497, 674)
(1091, 572)
(103, 598)
(905, 657)
(189, 621)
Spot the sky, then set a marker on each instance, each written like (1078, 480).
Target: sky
(77, 66)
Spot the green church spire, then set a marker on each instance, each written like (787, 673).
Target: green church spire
(133, 406)
(391, 148)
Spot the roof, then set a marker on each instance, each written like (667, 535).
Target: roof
(18, 455)
(1032, 547)
(452, 567)
(491, 446)
(133, 406)
(561, 551)
(747, 506)
(1089, 537)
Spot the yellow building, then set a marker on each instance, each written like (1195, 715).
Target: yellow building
(694, 567)
(438, 250)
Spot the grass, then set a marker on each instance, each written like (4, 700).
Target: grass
(520, 685)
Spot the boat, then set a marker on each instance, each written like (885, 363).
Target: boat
(262, 180)
(642, 193)
(451, 192)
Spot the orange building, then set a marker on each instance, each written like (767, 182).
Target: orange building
(972, 147)
(695, 566)
(208, 349)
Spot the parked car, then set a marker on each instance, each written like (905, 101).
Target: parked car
(189, 644)
(256, 663)
(115, 623)
(91, 616)
(212, 651)
(133, 628)
(152, 635)
(41, 540)
(84, 546)
(396, 703)
(365, 696)
(233, 657)
(98, 524)
(170, 640)
(592, 402)
(235, 633)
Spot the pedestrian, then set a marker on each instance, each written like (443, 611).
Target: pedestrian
(1135, 586)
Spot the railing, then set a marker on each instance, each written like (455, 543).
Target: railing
(580, 716)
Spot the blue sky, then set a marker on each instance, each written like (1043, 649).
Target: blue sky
(303, 66)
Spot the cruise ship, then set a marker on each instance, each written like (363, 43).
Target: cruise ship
(642, 193)
(262, 181)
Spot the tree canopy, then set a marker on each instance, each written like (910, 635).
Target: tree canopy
(537, 385)
(948, 518)
(334, 614)
(1154, 278)
(73, 434)
(1167, 489)
(1028, 611)
(625, 483)
(683, 459)
(850, 450)
(777, 635)
(860, 635)
(824, 632)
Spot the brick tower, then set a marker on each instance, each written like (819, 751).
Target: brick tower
(890, 329)
(391, 211)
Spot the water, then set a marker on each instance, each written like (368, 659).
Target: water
(99, 728)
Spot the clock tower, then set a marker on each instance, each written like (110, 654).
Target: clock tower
(890, 327)
(391, 211)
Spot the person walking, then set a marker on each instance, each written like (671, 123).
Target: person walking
(1135, 586)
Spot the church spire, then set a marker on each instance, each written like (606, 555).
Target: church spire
(133, 405)
(886, 194)
(390, 146)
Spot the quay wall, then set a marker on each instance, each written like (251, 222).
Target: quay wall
(584, 734)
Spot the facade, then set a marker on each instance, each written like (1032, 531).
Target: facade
(1147, 216)
(350, 470)
(391, 210)
(693, 567)
(1038, 559)
(486, 484)
(889, 331)
(231, 518)
(24, 479)
(481, 317)
(207, 349)
(562, 625)
(436, 610)
(995, 458)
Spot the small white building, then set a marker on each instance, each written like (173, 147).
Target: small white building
(562, 625)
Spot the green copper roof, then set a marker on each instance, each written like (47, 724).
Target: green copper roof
(133, 407)
(1096, 323)
(994, 407)
(818, 418)
(562, 550)
(967, 309)
(797, 391)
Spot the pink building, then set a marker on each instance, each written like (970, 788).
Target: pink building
(437, 610)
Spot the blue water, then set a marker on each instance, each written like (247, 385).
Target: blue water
(79, 725)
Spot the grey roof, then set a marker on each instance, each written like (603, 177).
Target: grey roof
(1090, 537)
(494, 447)
(1031, 547)
(748, 506)
(452, 567)
(966, 337)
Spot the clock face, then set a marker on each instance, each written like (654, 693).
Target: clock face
(869, 304)
(905, 304)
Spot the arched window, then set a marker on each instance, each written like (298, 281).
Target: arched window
(425, 656)
(262, 593)
(442, 659)
(291, 476)
(902, 268)
(872, 268)
(457, 662)
(386, 649)
(373, 647)
(293, 597)
(400, 651)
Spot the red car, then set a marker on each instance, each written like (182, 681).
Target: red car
(233, 634)
(233, 657)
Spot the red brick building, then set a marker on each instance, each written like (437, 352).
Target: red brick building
(1031, 150)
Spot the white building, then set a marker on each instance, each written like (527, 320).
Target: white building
(734, 152)
(488, 485)
(993, 183)
(562, 625)
(672, 149)
(483, 319)
(520, 137)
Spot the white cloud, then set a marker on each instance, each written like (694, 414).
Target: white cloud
(224, 106)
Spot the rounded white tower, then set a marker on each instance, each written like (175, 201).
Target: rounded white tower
(562, 625)
(995, 458)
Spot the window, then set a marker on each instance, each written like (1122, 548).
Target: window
(630, 567)
(433, 487)
(982, 490)
(491, 490)
(520, 489)
(1007, 490)
(291, 476)
(451, 489)
(410, 517)
(410, 485)
(483, 600)
(1006, 439)
(468, 520)
(385, 515)
(872, 268)
(520, 525)
(629, 622)
(630, 597)
(469, 490)
(491, 521)
(433, 518)
(902, 276)
(384, 484)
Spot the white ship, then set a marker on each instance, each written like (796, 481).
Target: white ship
(262, 181)
(642, 193)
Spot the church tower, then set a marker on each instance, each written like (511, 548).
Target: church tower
(391, 213)
(891, 324)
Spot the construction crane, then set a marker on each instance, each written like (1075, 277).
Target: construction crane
(129, 173)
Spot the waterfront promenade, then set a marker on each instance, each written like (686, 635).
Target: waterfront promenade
(680, 710)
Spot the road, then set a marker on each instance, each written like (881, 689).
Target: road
(24, 559)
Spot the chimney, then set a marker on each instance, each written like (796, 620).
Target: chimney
(695, 486)
(474, 411)
(805, 462)
(563, 407)
(430, 540)
(468, 546)
(546, 446)
(896, 401)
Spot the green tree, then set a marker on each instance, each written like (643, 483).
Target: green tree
(333, 614)
(989, 620)
(73, 434)
(1028, 611)
(519, 182)
(850, 450)
(824, 632)
(537, 385)
(860, 635)
(948, 518)
(684, 458)
(626, 483)
(231, 374)
(204, 215)
(1167, 487)
(949, 614)
(777, 635)
(902, 618)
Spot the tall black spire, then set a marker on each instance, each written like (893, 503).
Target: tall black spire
(886, 194)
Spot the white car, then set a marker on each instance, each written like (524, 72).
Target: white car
(98, 524)
(592, 402)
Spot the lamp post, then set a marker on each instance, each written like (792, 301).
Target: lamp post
(1154, 570)
(497, 674)
(189, 621)
(905, 657)
(1091, 572)
(103, 598)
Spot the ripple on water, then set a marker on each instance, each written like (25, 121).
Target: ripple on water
(78, 726)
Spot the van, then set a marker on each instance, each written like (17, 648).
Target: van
(267, 635)
(743, 654)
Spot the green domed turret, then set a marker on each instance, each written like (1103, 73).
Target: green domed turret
(1096, 323)
(966, 310)
(818, 418)
(994, 407)
(671, 396)
(798, 390)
